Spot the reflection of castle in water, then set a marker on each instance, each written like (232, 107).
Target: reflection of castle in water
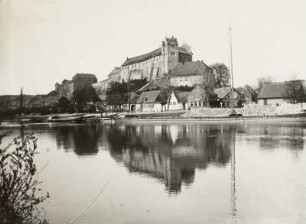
(170, 153)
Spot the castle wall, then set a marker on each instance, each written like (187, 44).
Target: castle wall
(152, 65)
(148, 69)
(188, 80)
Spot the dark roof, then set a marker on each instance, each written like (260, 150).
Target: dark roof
(274, 90)
(222, 92)
(181, 96)
(155, 84)
(189, 68)
(134, 99)
(142, 57)
(183, 50)
(149, 55)
(148, 97)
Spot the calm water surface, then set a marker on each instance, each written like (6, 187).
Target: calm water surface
(173, 173)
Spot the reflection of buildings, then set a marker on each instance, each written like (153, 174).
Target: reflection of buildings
(170, 153)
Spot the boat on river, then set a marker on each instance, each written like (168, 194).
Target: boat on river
(65, 118)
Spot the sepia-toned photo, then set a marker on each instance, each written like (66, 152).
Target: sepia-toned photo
(152, 111)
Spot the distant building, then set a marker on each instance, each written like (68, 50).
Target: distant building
(178, 100)
(114, 76)
(224, 96)
(274, 94)
(154, 64)
(197, 97)
(66, 88)
(150, 101)
(101, 88)
(191, 73)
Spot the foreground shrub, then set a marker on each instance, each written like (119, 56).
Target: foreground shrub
(19, 186)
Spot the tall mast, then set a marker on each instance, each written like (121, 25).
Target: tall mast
(231, 56)
(231, 65)
(21, 102)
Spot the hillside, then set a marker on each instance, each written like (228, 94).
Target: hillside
(12, 102)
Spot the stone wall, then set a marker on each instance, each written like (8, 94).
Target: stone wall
(188, 80)
(273, 101)
(149, 69)
(270, 110)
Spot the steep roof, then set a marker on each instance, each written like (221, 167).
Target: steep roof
(274, 90)
(158, 83)
(181, 96)
(134, 99)
(148, 97)
(222, 92)
(142, 57)
(189, 68)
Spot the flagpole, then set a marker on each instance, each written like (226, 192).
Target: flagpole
(231, 70)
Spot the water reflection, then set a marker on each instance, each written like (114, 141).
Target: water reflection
(274, 136)
(84, 140)
(170, 153)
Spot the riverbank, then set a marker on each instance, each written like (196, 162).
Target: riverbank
(193, 115)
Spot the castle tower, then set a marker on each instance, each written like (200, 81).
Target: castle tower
(170, 54)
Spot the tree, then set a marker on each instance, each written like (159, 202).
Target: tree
(221, 75)
(63, 104)
(247, 94)
(20, 193)
(295, 90)
(83, 95)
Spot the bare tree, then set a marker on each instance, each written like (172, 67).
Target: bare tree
(295, 90)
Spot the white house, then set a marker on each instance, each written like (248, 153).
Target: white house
(178, 101)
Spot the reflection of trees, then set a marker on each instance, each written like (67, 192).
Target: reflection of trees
(170, 153)
(84, 139)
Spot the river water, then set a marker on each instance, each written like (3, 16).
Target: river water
(196, 172)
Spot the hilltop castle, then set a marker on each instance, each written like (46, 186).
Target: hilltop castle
(152, 65)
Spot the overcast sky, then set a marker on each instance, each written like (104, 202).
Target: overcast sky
(46, 41)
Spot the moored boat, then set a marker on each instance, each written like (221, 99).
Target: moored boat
(65, 118)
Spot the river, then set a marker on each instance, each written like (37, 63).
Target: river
(192, 172)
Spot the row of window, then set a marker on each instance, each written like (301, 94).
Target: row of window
(197, 104)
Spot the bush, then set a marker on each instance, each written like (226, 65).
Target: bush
(19, 188)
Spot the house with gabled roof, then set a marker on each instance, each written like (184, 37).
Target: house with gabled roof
(197, 97)
(178, 100)
(150, 101)
(224, 96)
(274, 94)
